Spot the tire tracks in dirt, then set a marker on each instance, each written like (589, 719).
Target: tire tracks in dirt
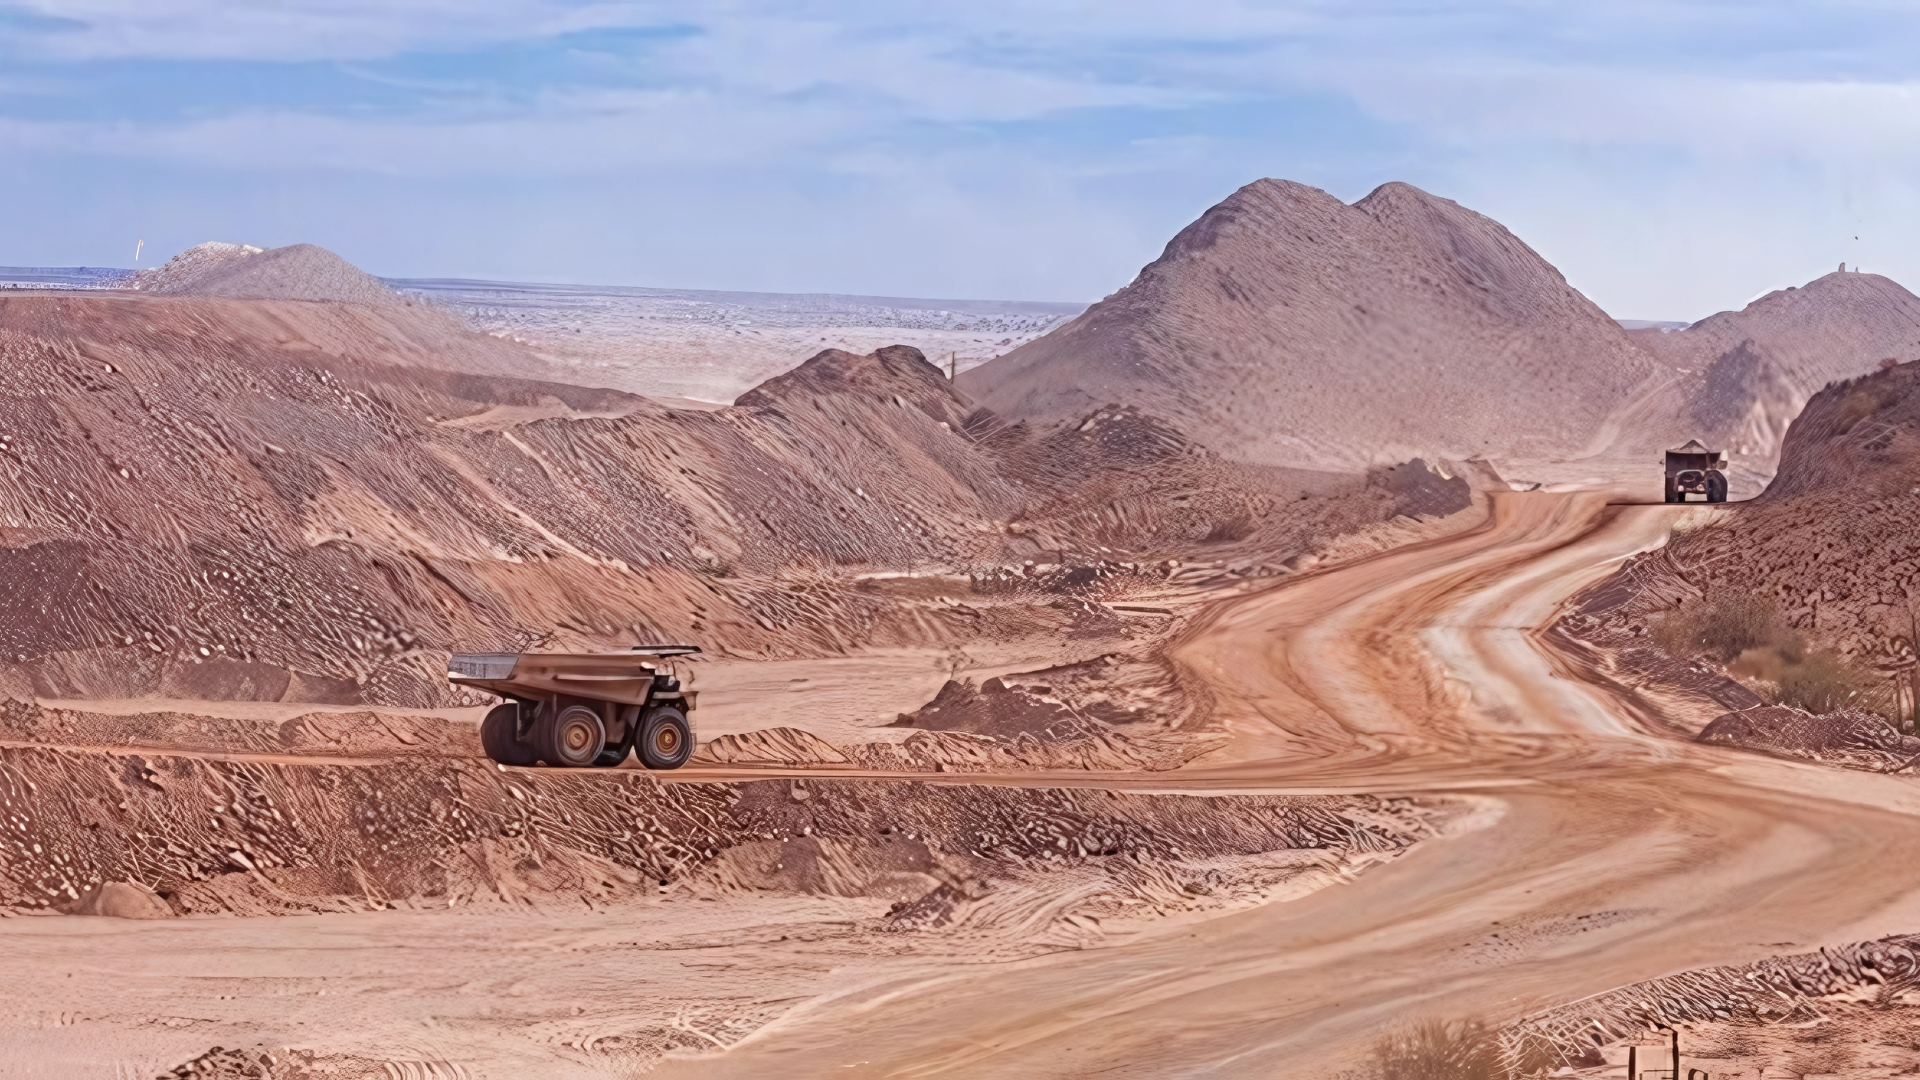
(1618, 852)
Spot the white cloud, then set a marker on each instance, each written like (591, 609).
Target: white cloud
(1663, 153)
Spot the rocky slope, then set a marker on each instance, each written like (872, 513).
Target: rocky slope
(1287, 328)
(210, 497)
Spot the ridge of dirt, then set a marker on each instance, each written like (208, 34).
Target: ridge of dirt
(362, 733)
(254, 837)
(1850, 737)
(1715, 1004)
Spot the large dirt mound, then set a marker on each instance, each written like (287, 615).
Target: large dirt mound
(1740, 377)
(240, 272)
(1287, 328)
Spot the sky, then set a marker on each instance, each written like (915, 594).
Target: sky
(1672, 159)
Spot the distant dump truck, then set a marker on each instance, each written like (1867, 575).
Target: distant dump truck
(1694, 468)
(583, 710)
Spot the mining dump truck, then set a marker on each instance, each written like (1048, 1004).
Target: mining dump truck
(1694, 468)
(583, 710)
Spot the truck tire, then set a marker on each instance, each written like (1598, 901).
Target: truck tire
(500, 736)
(1716, 487)
(569, 738)
(666, 739)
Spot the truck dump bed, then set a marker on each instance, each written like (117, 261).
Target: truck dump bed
(624, 678)
(580, 710)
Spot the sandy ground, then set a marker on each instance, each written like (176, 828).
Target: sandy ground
(1614, 852)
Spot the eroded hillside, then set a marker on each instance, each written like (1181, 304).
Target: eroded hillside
(276, 499)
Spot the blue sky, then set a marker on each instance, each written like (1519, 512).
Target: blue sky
(1673, 159)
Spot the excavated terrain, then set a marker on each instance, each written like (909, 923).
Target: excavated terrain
(249, 506)
(251, 836)
(1740, 377)
(1831, 542)
(1185, 692)
(314, 517)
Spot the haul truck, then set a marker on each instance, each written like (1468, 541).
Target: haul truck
(583, 710)
(1694, 468)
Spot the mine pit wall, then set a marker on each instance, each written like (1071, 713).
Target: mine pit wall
(255, 837)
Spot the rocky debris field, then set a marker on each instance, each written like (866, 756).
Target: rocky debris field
(258, 837)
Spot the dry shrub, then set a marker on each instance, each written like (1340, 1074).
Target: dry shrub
(1440, 1050)
(1820, 682)
(1746, 630)
(1724, 624)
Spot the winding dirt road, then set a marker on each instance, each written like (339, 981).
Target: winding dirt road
(1611, 849)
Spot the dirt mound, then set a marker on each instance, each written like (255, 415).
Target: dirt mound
(235, 271)
(1848, 737)
(1287, 328)
(772, 746)
(121, 900)
(1067, 745)
(1740, 377)
(362, 733)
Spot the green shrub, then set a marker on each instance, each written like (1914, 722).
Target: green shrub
(1440, 1050)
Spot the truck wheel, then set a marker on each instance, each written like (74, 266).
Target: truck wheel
(571, 738)
(666, 739)
(500, 736)
(1716, 487)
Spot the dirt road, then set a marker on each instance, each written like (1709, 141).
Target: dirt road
(1615, 850)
